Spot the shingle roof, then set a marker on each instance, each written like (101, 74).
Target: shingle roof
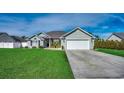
(120, 35)
(18, 39)
(78, 28)
(4, 37)
(2, 33)
(55, 34)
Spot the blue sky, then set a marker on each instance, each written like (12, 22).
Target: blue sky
(29, 24)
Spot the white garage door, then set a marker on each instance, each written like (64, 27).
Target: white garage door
(6, 45)
(78, 44)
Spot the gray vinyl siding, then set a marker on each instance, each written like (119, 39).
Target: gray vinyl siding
(79, 35)
(113, 37)
(63, 43)
(34, 42)
(91, 43)
(42, 43)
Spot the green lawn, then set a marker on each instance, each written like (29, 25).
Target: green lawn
(111, 51)
(34, 63)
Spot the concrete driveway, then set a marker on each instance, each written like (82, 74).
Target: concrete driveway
(92, 64)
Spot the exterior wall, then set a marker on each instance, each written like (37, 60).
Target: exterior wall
(24, 44)
(17, 45)
(35, 43)
(56, 40)
(11, 45)
(92, 44)
(113, 37)
(63, 42)
(29, 44)
(42, 43)
(79, 35)
(42, 35)
(6, 45)
(34, 38)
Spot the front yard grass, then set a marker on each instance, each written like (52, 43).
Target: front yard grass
(111, 51)
(34, 64)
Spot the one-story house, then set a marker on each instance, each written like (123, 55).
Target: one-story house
(73, 40)
(7, 41)
(22, 41)
(116, 36)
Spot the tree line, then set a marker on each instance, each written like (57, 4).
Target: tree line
(110, 44)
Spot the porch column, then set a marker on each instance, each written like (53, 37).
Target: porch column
(93, 44)
(49, 42)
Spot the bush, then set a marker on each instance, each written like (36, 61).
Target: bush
(56, 45)
(34, 47)
(62, 47)
(41, 47)
(110, 44)
(26, 46)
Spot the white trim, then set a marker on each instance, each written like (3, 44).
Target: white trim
(75, 30)
(46, 34)
(78, 40)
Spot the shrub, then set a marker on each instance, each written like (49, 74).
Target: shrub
(62, 47)
(56, 45)
(41, 47)
(34, 47)
(110, 44)
(26, 46)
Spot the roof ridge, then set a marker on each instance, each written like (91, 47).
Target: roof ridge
(119, 34)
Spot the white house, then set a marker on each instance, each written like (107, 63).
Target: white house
(23, 42)
(77, 39)
(7, 41)
(116, 36)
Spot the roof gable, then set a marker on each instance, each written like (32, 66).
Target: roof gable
(39, 35)
(18, 39)
(6, 38)
(120, 35)
(2, 33)
(78, 29)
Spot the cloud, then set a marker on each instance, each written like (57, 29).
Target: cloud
(65, 21)
(101, 24)
(13, 25)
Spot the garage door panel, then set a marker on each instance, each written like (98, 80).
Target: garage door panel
(6, 45)
(78, 44)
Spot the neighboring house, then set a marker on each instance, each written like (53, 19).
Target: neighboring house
(7, 41)
(22, 41)
(116, 36)
(76, 39)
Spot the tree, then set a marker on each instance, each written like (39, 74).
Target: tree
(110, 44)
(97, 37)
(24, 37)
